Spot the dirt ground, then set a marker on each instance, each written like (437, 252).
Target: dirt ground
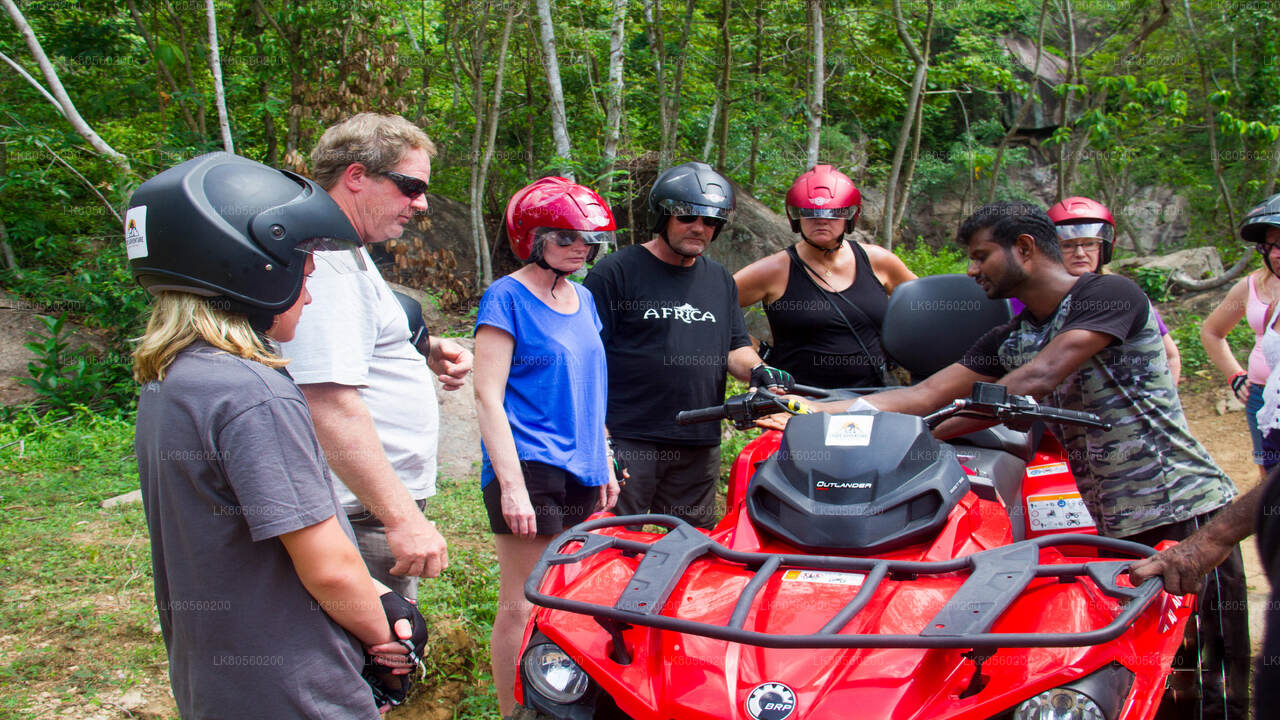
(1226, 438)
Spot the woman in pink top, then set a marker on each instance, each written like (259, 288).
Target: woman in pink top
(1249, 298)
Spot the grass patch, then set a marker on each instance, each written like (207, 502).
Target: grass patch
(75, 580)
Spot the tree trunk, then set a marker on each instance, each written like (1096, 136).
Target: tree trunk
(163, 68)
(1065, 168)
(726, 102)
(559, 123)
(677, 86)
(653, 28)
(816, 99)
(1024, 108)
(64, 103)
(186, 62)
(757, 71)
(613, 107)
(890, 223)
(215, 67)
(480, 175)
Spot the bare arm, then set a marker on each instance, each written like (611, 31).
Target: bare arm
(332, 570)
(742, 360)
(1175, 357)
(494, 349)
(1213, 333)
(889, 268)
(351, 445)
(953, 382)
(763, 279)
(1183, 565)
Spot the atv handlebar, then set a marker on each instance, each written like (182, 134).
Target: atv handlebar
(746, 408)
(993, 402)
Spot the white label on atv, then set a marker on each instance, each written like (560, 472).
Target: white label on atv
(135, 232)
(1050, 469)
(849, 430)
(825, 578)
(1063, 511)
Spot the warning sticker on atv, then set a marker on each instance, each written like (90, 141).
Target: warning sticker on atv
(1050, 469)
(1063, 511)
(849, 430)
(825, 578)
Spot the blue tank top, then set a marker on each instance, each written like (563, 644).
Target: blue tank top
(557, 384)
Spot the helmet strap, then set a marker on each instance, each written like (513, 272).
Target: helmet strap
(542, 263)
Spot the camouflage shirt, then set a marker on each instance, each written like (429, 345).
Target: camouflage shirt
(1147, 470)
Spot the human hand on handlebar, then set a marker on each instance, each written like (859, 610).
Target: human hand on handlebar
(775, 379)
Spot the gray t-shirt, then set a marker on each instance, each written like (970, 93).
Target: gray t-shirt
(228, 461)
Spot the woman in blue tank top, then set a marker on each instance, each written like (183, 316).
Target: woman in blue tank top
(541, 384)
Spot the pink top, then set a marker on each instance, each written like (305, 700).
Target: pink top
(1255, 311)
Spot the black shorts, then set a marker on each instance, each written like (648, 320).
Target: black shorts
(559, 500)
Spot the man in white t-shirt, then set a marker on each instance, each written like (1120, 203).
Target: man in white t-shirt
(369, 388)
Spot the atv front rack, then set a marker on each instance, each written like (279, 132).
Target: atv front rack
(996, 578)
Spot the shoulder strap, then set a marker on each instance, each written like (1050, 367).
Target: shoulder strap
(884, 371)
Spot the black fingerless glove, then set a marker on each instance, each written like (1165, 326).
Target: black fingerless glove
(764, 376)
(1239, 382)
(388, 688)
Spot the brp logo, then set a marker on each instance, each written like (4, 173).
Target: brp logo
(771, 701)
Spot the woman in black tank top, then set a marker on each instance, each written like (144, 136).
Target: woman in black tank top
(825, 298)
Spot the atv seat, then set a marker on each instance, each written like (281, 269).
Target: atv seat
(1021, 445)
(931, 321)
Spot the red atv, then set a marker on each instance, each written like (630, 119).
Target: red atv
(863, 569)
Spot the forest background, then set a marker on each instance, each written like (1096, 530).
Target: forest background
(927, 105)
(915, 100)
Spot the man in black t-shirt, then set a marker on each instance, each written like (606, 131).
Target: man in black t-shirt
(1090, 343)
(672, 331)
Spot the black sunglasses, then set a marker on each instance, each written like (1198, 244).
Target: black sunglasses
(411, 187)
(711, 222)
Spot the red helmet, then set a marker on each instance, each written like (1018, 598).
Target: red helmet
(823, 192)
(555, 203)
(1078, 217)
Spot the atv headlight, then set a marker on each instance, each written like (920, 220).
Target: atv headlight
(554, 674)
(1059, 704)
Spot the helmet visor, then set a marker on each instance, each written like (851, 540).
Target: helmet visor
(565, 238)
(1077, 231)
(688, 209)
(340, 256)
(835, 213)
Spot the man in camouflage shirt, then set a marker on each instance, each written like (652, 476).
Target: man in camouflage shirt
(1091, 344)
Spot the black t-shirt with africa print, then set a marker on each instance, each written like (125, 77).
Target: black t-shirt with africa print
(1147, 470)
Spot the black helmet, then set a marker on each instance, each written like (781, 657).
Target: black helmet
(1257, 220)
(224, 226)
(690, 189)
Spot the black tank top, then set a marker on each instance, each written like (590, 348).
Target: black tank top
(813, 343)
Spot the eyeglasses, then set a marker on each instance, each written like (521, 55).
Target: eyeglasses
(1070, 247)
(712, 222)
(1265, 248)
(409, 186)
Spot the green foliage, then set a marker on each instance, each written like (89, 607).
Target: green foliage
(924, 260)
(1154, 282)
(1195, 361)
(65, 378)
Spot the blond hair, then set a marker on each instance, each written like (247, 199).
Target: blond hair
(378, 142)
(179, 319)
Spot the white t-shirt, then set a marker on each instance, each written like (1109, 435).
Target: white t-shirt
(355, 333)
